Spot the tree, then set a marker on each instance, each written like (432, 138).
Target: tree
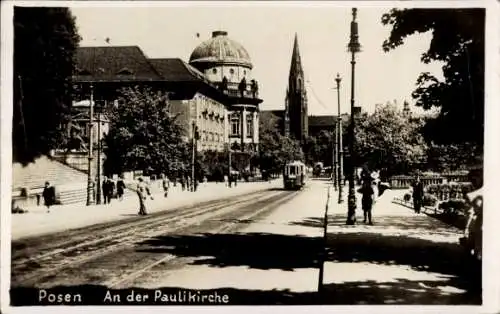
(451, 157)
(319, 148)
(389, 140)
(274, 148)
(45, 40)
(458, 42)
(145, 135)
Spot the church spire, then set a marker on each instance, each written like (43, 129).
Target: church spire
(296, 65)
(296, 120)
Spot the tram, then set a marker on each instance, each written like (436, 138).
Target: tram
(294, 175)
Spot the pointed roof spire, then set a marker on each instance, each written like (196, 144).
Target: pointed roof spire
(296, 65)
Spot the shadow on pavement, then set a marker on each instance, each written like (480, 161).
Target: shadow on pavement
(255, 250)
(445, 261)
(457, 280)
(418, 222)
(457, 221)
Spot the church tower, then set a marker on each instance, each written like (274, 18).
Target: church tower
(296, 122)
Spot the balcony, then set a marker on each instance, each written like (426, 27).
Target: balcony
(246, 94)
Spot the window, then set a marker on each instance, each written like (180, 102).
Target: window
(249, 126)
(244, 72)
(235, 125)
(214, 71)
(231, 71)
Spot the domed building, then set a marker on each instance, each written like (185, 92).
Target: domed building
(227, 65)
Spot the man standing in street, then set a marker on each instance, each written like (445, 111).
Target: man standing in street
(142, 193)
(120, 188)
(49, 195)
(418, 194)
(166, 184)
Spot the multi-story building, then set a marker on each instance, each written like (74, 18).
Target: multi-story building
(227, 64)
(215, 94)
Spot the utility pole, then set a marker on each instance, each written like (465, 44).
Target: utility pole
(193, 155)
(91, 124)
(354, 47)
(340, 149)
(98, 181)
(229, 168)
(335, 179)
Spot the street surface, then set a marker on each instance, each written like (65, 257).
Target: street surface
(264, 247)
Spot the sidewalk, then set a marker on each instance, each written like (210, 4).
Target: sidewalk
(63, 217)
(404, 258)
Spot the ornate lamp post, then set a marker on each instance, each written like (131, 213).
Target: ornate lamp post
(340, 151)
(354, 47)
(334, 159)
(90, 182)
(98, 181)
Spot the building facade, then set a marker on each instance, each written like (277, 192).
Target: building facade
(198, 103)
(226, 63)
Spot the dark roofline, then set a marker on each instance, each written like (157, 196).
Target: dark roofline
(146, 60)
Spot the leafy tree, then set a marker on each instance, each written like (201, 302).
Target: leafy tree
(274, 148)
(45, 40)
(451, 157)
(389, 140)
(145, 135)
(319, 148)
(458, 42)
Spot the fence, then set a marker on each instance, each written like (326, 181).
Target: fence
(404, 182)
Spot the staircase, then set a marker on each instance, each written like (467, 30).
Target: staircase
(28, 182)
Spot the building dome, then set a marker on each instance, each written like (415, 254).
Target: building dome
(220, 50)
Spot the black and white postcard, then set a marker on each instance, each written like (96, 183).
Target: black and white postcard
(173, 154)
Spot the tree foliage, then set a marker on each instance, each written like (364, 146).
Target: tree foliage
(144, 135)
(274, 148)
(319, 148)
(45, 40)
(458, 42)
(451, 157)
(389, 140)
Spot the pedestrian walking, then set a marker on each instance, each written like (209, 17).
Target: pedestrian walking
(142, 193)
(418, 194)
(120, 188)
(165, 184)
(367, 199)
(111, 190)
(188, 182)
(183, 183)
(108, 188)
(49, 195)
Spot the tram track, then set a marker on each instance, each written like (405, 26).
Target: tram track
(26, 247)
(247, 215)
(33, 269)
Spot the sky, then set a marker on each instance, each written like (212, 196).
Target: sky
(267, 33)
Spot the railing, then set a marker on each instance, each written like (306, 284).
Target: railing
(404, 182)
(237, 93)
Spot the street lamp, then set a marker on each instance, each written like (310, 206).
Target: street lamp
(90, 187)
(353, 47)
(98, 181)
(340, 151)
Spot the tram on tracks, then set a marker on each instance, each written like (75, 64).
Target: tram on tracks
(294, 175)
